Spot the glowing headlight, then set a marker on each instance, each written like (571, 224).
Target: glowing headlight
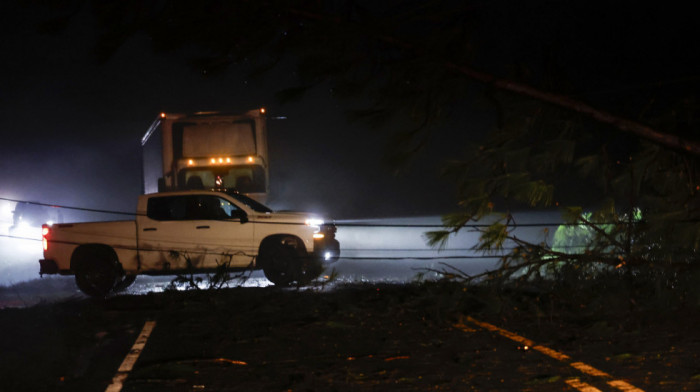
(314, 222)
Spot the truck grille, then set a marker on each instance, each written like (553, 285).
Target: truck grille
(328, 230)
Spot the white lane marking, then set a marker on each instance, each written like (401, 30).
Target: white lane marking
(580, 366)
(131, 357)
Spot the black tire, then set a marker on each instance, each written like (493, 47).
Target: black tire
(124, 283)
(311, 268)
(280, 263)
(285, 264)
(96, 271)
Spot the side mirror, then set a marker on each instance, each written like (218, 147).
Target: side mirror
(239, 214)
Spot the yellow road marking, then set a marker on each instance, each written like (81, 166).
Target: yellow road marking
(581, 386)
(590, 370)
(131, 357)
(552, 353)
(580, 366)
(624, 386)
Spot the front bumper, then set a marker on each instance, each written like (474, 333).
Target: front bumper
(327, 249)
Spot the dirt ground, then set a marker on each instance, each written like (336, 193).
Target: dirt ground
(349, 338)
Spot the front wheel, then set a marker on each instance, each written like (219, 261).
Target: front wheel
(96, 271)
(280, 263)
(286, 262)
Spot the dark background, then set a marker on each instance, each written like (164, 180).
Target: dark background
(70, 127)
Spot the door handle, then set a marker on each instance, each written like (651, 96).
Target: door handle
(202, 227)
(150, 229)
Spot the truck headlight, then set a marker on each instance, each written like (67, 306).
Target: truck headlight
(314, 222)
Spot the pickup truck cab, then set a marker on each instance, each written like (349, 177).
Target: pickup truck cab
(190, 231)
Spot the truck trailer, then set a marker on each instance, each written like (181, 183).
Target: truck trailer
(207, 150)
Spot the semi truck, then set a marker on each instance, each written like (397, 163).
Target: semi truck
(207, 150)
(190, 232)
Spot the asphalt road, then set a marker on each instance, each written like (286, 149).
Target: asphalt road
(361, 338)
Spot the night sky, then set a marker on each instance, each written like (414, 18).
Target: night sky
(70, 127)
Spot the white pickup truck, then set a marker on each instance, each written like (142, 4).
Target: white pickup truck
(189, 231)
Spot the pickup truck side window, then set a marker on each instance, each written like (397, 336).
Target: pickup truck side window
(194, 207)
(167, 208)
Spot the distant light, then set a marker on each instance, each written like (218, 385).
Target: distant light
(162, 115)
(327, 256)
(221, 160)
(213, 160)
(250, 159)
(228, 160)
(190, 162)
(262, 110)
(318, 236)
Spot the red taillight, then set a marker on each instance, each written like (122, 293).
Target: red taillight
(44, 233)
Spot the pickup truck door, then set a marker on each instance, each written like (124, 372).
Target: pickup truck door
(205, 230)
(226, 235)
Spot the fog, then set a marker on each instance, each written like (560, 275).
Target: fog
(70, 131)
(388, 250)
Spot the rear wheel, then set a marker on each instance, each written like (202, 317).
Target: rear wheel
(96, 271)
(125, 281)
